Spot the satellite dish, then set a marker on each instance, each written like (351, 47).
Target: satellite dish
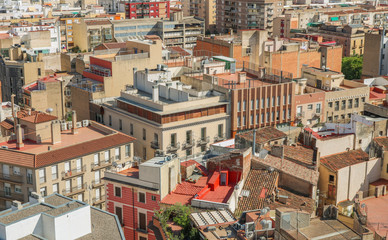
(114, 164)
(49, 110)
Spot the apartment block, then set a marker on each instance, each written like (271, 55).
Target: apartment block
(58, 217)
(18, 69)
(342, 97)
(154, 9)
(104, 77)
(50, 156)
(376, 51)
(90, 32)
(48, 94)
(66, 28)
(237, 15)
(205, 9)
(168, 116)
(134, 193)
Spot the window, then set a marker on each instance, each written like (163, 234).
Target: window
(330, 119)
(39, 71)
(127, 150)
(273, 101)
(142, 197)
(262, 103)
(342, 116)
(278, 97)
(331, 178)
(268, 103)
(110, 120)
(257, 118)
(257, 103)
(142, 221)
(251, 123)
(363, 99)
(336, 105)
(203, 133)
(238, 121)
(153, 198)
(144, 134)
(117, 153)
(119, 213)
(252, 104)
(120, 124)
(131, 129)
(16, 170)
(289, 98)
(356, 102)
(330, 104)
(55, 188)
(117, 192)
(273, 116)
(7, 189)
(381, 133)
(42, 175)
(220, 130)
(277, 115)
(173, 139)
(144, 153)
(262, 117)
(267, 117)
(343, 104)
(318, 108)
(284, 99)
(239, 107)
(310, 106)
(18, 189)
(107, 155)
(29, 176)
(54, 172)
(243, 122)
(43, 191)
(244, 105)
(336, 118)
(350, 103)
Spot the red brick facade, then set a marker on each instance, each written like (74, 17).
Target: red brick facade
(131, 207)
(136, 10)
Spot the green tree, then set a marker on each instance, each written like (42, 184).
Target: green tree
(352, 67)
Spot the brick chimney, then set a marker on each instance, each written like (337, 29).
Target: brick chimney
(74, 122)
(55, 132)
(277, 151)
(19, 137)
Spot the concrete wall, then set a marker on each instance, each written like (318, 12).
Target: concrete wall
(334, 145)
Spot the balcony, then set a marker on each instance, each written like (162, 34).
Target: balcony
(74, 172)
(155, 145)
(11, 195)
(188, 144)
(102, 164)
(173, 147)
(203, 141)
(96, 184)
(11, 178)
(98, 200)
(74, 190)
(220, 137)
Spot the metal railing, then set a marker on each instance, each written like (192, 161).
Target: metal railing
(173, 147)
(188, 144)
(155, 144)
(97, 183)
(102, 164)
(74, 190)
(203, 141)
(12, 195)
(74, 172)
(98, 200)
(219, 137)
(11, 177)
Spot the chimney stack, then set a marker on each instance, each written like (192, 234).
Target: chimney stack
(74, 122)
(155, 93)
(254, 143)
(19, 137)
(134, 78)
(16, 205)
(55, 132)
(13, 106)
(35, 198)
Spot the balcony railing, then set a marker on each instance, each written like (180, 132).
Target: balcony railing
(96, 184)
(188, 144)
(155, 145)
(219, 137)
(98, 200)
(74, 172)
(173, 147)
(203, 141)
(11, 195)
(102, 164)
(74, 190)
(11, 177)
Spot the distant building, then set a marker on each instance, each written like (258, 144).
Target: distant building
(58, 217)
(49, 156)
(154, 9)
(203, 9)
(376, 50)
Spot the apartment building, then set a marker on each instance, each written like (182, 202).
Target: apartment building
(48, 94)
(376, 50)
(134, 193)
(236, 15)
(50, 156)
(146, 9)
(342, 97)
(90, 32)
(167, 116)
(58, 217)
(205, 9)
(18, 69)
(66, 28)
(350, 36)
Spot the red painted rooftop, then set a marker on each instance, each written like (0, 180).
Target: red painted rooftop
(377, 214)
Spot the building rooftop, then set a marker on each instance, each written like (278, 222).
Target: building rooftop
(264, 135)
(222, 220)
(103, 225)
(382, 142)
(340, 160)
(377, 214)
(89, 139)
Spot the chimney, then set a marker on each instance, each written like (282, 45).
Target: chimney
(134, 78)
(168, 85)
(74, 122)
(146, 70)
(231, 31)
(254, 143)
(16, 205)
(155, 93)
(242, 77)
(29, 112)
(35, 198)
(159, 67)
(55, 132)
(277, 151)
(19, 137)
(13, 106)
(179, 86)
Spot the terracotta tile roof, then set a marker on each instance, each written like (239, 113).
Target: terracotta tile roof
(263, 135)
(294, 201)
(300, 154)
(71, 152)
(290, 167)
(201, 168)
(379, 182)
(179, 50)
(340, 160)
(256, 182)
(17, 158)
(183, 193)
(114, 45)
(39, 117)
(7, 124)
(382, 142)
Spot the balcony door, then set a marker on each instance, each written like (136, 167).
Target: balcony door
(79, 164)
(5, 170)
